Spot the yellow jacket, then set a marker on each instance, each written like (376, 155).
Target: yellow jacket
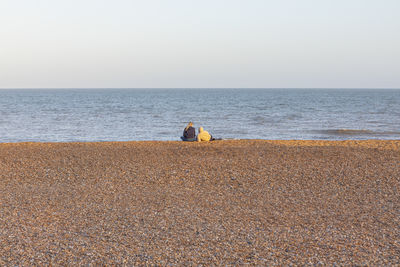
(203, 135)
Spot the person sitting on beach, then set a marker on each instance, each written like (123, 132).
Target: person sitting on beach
(189, 133)
(204, 135)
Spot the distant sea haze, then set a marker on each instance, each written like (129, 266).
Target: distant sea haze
(87, 115)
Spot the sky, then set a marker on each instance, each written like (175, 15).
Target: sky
(200, 44)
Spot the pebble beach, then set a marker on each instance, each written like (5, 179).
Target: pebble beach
(231, 202)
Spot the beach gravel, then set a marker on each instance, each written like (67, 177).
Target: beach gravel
(232, 202)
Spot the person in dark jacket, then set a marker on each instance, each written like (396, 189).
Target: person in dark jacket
(189, 133)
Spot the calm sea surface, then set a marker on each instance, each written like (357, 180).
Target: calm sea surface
(161, 114)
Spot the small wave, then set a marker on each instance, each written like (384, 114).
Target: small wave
(259, 119)
(293, 116)
(344, 132)
(240, 132)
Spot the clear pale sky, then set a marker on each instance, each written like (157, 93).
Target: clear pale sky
(207, 43)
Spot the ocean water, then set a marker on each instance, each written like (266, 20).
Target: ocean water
(33, 115)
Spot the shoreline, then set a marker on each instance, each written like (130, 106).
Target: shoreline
(392, 144)
(229, 202)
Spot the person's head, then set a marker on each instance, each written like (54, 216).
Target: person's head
(190, 124)
(201, 129)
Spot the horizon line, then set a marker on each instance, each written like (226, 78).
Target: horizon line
(194, 88)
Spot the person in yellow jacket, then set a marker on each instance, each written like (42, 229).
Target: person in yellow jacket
(203, 135)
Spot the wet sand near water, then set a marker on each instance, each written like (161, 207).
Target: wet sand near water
(229, 202)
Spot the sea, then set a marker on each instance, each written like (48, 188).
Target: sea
(96, 115)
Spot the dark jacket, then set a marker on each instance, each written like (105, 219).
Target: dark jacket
(189, 133)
